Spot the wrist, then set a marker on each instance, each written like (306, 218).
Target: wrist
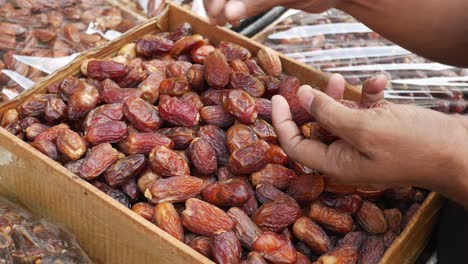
(454, 184)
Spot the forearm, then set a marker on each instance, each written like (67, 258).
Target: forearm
(436, 29)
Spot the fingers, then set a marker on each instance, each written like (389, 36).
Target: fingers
(373, 90)
(335, 87)
(308, 152)
(222, 11)
(214, 7)
(330, 114)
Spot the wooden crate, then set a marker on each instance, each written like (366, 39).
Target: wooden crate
(110, 232)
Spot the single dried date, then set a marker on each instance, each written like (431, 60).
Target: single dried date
(205, 219)
(249, 159)
(276, 215)
(241, 105)
(312, 235)
(226, 248)
(203, 156)
(178, 112)
(98, 160)
(246, 230)
(70, 144)
(167, 218)
(166, 162)
(232, 192)
(217, 70)
(330, 218)
(174, 189)
(276, 175)
(141, 115)
(124, 169)
(275, 248)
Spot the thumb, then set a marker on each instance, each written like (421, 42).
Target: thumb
(332, 115)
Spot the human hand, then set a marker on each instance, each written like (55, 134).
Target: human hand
(390, 145)
(222, 11)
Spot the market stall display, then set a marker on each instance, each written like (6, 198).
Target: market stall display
(26, 238)
(335, 42)
(95, 118)
(53, 29)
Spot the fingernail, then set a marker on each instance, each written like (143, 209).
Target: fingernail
(235, 10)
(306, 95)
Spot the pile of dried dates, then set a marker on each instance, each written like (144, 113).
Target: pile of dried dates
(52, 28)
(25, 238)
(178, 130)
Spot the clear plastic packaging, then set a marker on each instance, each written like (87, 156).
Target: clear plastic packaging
(334, 41)
(53, 28)
(25, 238)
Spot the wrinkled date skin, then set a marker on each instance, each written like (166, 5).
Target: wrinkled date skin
(141, 115)
(276, 215)
(312, 235)
(254, 258)
(232, 192)
(181, 136)
(144, 210)
(248, 83)
(202, 245)
(178, 112)
(275, 248)
(166, 162)
(345, 203)
(264, 131)
(174, 189)
(247, 231)
(267, 193)
(274, 174)
(252, 158)
(106, 131)
(125, 169)
(233, 51)
(203, 156)
(100, 158)
(241, 105)
(306, 188)
(205, 219)
(103, 69)
(216, 137)
(217, 70)
(82, 101)
(332, 219)
(167, 218)
(371, 218)
(150, 45)
(394, 218)
(226, 248)
(144, 143)
(345, 255)
(70, 144)
(372, 250)
(240, 136)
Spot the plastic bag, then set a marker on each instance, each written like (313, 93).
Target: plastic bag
(335, 42)
(25, 238)
(53, 28)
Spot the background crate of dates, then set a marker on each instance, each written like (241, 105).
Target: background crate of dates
(53, 29)
(334, 41)
(107, 230)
